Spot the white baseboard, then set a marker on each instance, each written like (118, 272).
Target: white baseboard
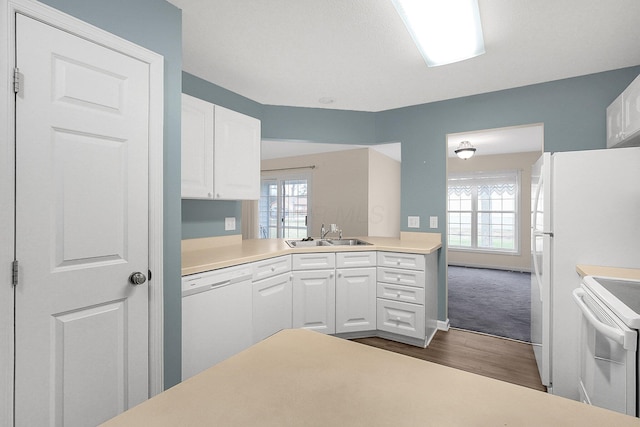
(492, 267)
(443, 325)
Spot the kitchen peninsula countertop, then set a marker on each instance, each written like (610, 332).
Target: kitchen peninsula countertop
(303, 378)
(199, 255)
(603, 271)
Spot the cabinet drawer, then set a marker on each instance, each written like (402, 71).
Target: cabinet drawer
(355, 259)
(401, 318)
(401, 293)
(399, 276)
(314, 261)
(401, 260)
(271, 267)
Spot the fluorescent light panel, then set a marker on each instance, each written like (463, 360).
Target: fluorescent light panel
(445, 31)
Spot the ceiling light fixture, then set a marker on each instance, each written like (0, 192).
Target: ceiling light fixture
(465, 150)
(444, 31)
(326, 100)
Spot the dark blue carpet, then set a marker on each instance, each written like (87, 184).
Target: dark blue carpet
(494, 302)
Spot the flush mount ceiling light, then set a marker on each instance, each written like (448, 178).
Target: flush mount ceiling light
(444, 31)
(326, 100)
(465, 150)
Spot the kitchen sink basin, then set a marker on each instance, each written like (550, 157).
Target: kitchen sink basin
(325, 242)
(348, 242)
(307, 243)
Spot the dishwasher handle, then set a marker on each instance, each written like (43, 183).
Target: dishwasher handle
(615, 334)
(198, 284)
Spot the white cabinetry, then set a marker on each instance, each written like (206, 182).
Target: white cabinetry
(314, 292)
(216, 317)
(220, 152)
(272, 296)
(355, 292)
(197, 148)
(623, 117)
(407, 296)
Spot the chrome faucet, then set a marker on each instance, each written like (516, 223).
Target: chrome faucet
(332, 229)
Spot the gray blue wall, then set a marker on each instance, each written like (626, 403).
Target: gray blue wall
(157, 26)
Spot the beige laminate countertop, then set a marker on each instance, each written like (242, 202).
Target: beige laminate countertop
(303, 378)
(603, 271)
(199, 255)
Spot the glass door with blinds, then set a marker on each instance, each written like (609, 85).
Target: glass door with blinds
(283, 208)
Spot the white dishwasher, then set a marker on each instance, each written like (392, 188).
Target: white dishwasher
(216, 317)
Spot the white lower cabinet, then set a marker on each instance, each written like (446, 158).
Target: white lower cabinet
(271, 306)
(332, 293)
(401, 292)
(314, 294)
(355, 299)
(401, 318)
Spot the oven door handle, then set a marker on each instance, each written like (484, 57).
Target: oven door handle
(615, 334)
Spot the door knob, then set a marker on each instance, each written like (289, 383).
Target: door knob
(137, 278)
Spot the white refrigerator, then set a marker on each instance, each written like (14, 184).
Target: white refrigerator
(585, 210)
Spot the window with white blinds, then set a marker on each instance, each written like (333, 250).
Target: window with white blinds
(482, 211)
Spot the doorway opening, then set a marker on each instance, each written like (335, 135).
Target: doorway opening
(488, 230)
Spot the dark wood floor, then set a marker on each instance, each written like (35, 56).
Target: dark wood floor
(494, 357)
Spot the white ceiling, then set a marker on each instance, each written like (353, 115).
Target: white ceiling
(272, 149)
(359, 54)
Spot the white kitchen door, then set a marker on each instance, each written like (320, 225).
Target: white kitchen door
(82, 131)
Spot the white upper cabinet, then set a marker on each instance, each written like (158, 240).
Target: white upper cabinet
(220, 152)
(623, 117)
(197, 148)
(236, 156)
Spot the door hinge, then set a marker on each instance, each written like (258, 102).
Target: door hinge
(16, 80)
(14, 272)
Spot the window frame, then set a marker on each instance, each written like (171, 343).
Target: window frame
(279, 177)
(475, 180)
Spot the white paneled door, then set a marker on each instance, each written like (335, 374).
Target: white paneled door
(82, 131)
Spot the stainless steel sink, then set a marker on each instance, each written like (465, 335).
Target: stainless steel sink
(348, 242)
(325, 242)
(307, 243)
